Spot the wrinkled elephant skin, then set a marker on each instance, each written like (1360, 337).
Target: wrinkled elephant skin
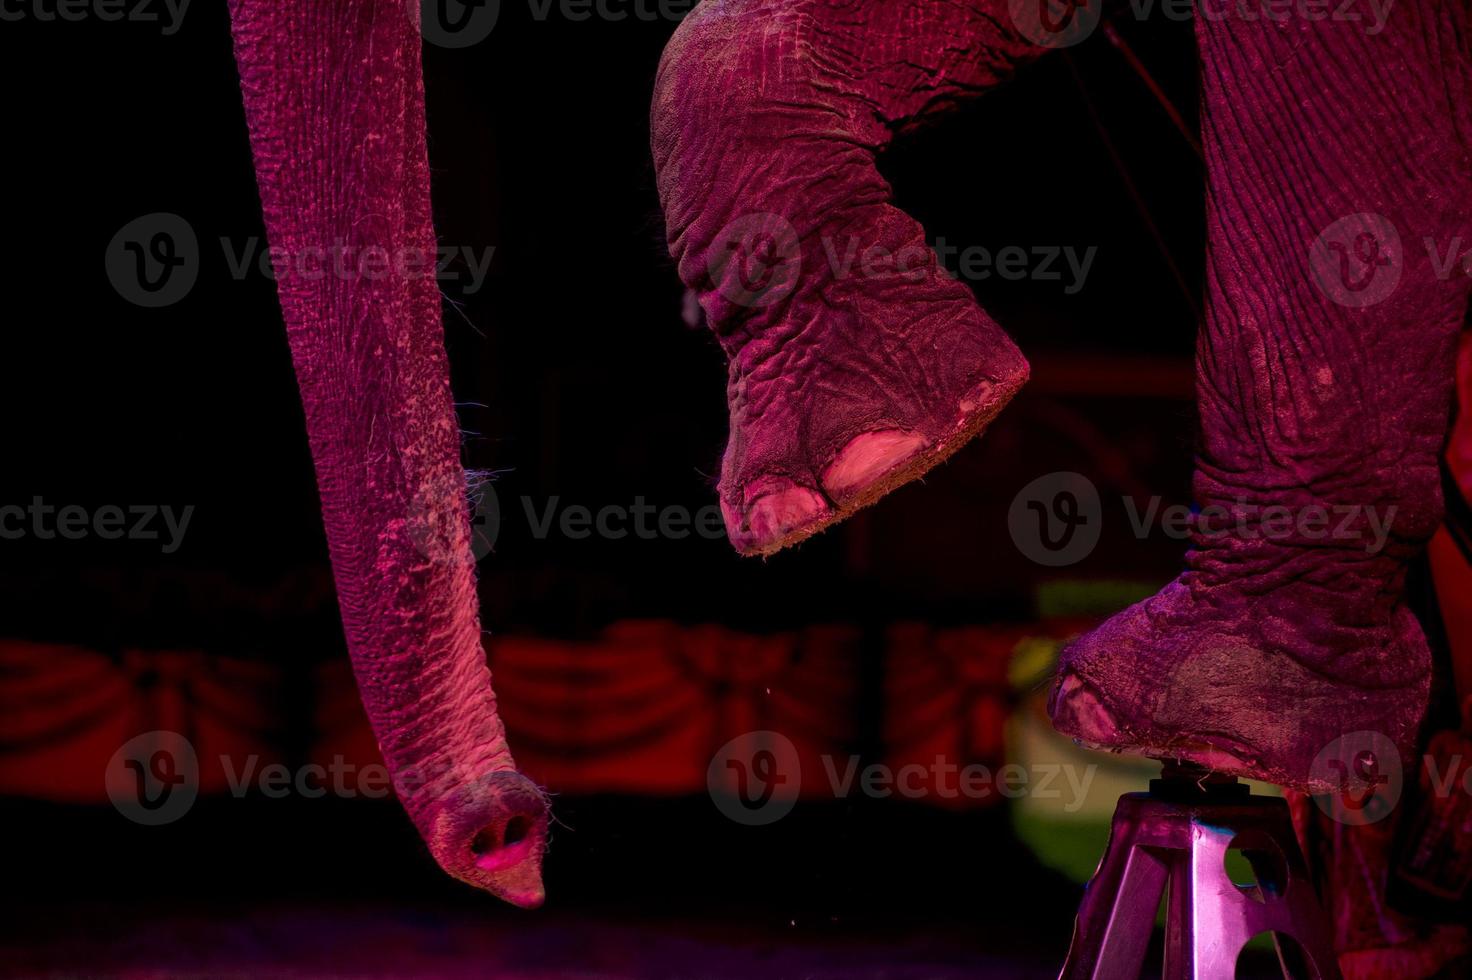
(1325, 373)
(1325, 358)
(856, 363)
(335, 104)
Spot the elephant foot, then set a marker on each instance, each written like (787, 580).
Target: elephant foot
(856, 361)
(1267, 687)
(771, 512)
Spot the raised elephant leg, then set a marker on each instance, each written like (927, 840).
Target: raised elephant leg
(855, 362)
(335, 103)
(1339, 206)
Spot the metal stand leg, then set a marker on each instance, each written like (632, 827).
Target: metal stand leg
(1176, 837)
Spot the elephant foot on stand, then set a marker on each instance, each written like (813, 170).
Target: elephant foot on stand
(1265, 687)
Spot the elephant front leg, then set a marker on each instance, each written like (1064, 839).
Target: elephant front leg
(335, 104)
(856, 362)
(1339, 204)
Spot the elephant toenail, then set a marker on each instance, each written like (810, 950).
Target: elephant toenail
(774, 514)
(868, 457)
(1079, 713)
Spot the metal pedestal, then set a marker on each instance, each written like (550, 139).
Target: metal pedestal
(1173, 841)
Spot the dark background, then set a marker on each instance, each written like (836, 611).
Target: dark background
(593, 389)
(579, 379)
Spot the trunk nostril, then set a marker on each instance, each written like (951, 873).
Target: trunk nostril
(496, 846)
(484, 842)
(516, 830)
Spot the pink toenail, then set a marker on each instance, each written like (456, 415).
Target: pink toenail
(868, 457)
(1078, 712)
(980, 395)
(774, 514)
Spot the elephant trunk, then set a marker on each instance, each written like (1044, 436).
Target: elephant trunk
(335, 105)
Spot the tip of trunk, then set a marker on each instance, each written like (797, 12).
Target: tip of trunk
(492, 833)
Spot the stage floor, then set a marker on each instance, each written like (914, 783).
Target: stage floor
(376, 940)
(637, 888)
